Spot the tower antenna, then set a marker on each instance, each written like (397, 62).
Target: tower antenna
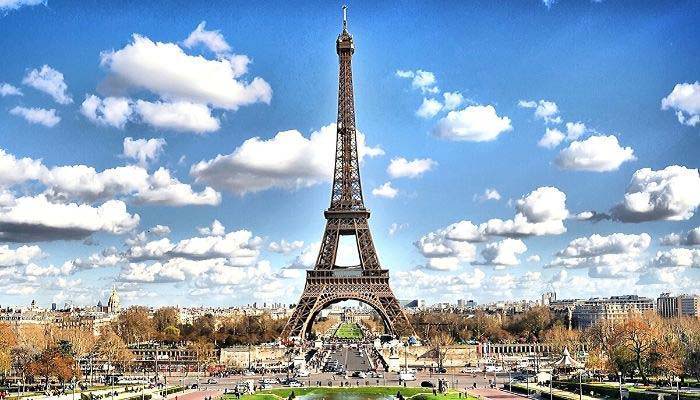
(345, 17)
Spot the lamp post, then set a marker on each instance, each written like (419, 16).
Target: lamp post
(678, 387)
(550, 388)
(510, 380)
(619, 377)
(580, 385)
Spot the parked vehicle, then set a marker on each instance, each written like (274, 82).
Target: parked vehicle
(427, 384)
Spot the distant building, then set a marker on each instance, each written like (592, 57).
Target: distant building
(616, 308)
(683, 305)
(548, 298)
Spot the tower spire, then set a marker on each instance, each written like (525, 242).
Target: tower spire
(345, 17)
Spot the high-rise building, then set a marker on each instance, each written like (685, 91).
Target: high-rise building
(548, 298)
(616, 308)
(678, 306)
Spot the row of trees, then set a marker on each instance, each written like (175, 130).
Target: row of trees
(135, 324)
(41, 354)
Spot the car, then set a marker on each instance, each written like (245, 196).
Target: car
(294, 384)
(471, 370)
(427, 384)
(359, 374)
(194, 386)
(302, 373)
(211, 381)
(248, 373)
(265, 386)
(441, 370)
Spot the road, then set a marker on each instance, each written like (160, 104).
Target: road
(351, 359)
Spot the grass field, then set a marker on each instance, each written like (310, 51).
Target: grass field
(349, 330)
(360, 392)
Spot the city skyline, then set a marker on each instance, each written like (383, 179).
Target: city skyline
(184, 156)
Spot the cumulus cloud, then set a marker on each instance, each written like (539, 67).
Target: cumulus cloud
(35, 218)
(385, 190)
(15, 4)
(20, 256)
(287, 161)
(423, 80)
(596, 153)
(216, 229)
(446, 249)
(143, 150)
(238, 248)
(394, 228)
(596, 245)
(541, 212)
(672, 193)
(49, 81)
(306, 258)
(489, 194)
(475, 123)
(685, 100)
(8, 90)
(166, 70)
(179, 116)
(399, 167)
(84, 182)
(612, 256)
(213, 40)
(429, 108)
(692, 238)
(110, 111)
(552, 138)
(39, 116)
(285, 247)
(574, 130)
(676, 258)
(544, 109)
(452, 100)
(502, 253)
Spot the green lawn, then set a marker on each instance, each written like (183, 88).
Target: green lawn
(415, 393)
(349, 330)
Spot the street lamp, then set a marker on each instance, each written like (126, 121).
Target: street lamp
(678, 387)
(580, 385)
(619, 377)
(550, 388)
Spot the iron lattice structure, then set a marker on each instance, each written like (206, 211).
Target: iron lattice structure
(329, 283)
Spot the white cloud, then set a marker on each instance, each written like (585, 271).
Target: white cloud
(420, 79)
(213, 40)
(394, 228)
(685, 99)
(545, 110)
(111, 111)
(181, 116)
(429, 108)
(307, 258)
(160, 230)
(474, 123)
(285, 247)
(676, 258)
(143, 150)
(534, 258)
(452, 100)
(541, 212)
(40, 116)
(672, 193)
(385, 190)
(15, 4)
(49, 81)
(84, 182)
(597, 245)
(447, 248)
(502, 253)
(216, 229)
(36, 218)
(692, 238)
(19, 256)
(574, 130)
(552, 138)
(288, 161)
(8, 90)
(166, 70)
(165, 190)
(489, 194)
(401, 168)
(238, 248)
(597, 153)
(614, 256)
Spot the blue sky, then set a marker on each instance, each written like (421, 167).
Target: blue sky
(554, 110)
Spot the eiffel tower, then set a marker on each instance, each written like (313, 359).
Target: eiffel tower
(329, 283)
